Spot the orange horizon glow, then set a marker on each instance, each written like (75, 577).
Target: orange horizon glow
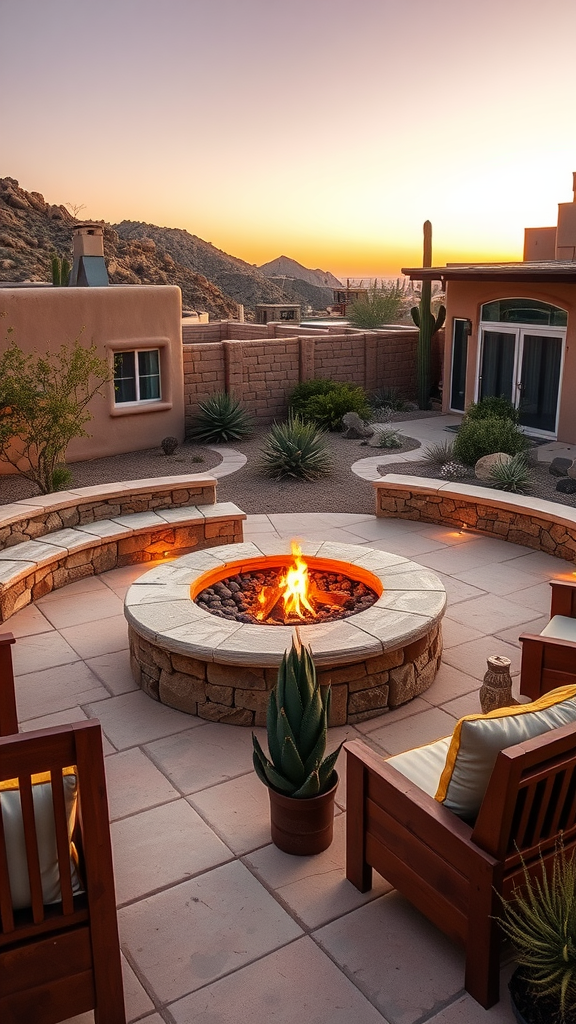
(331, 145)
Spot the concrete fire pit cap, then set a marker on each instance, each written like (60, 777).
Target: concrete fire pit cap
(159, 608)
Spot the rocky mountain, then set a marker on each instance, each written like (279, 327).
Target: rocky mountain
(283, 266)
(234, 277)
(32, 231)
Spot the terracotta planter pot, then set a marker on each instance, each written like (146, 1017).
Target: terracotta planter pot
(302, 827)
(530, 1009)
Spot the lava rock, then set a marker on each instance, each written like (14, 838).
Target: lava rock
(566, 485)
(560, 467)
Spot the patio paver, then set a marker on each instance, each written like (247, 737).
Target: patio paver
(255, 935)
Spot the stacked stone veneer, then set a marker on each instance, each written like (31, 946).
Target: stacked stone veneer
(238, 695)
(262, 372)
(48, 542)
(543, 525)
(223, 670)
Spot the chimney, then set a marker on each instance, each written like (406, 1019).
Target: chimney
(89, 268)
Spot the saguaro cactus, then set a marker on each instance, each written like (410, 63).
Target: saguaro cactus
(427, 325)
(60, 271)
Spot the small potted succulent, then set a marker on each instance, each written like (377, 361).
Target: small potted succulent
(301, 781)
(540, 921)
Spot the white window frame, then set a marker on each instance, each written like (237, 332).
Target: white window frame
(137, 378)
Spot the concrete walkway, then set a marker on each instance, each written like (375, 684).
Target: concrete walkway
(436, 430)
(218, 926)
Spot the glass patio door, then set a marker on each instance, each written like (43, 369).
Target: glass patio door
(524, 364)
(539, 381)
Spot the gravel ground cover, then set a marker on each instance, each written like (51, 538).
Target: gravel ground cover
(342, 491)
(542, 482)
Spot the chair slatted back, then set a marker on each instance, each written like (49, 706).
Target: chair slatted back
(531, 797)
(21, 757)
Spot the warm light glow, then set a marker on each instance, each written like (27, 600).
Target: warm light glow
(331, 144)
(296, 586)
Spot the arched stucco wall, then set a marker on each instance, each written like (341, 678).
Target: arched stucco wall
(464, 299)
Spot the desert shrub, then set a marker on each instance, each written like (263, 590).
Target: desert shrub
(44, 405)
(492, 406)
(453, 471)
(327, 410)
(511, 476)
(303, 392)
(383, 305)
(297, 449)
(221, 418)
(389, 399)
(479, 437)
(439, 454)
(389, 438)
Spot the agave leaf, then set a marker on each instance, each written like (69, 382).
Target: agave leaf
(291, 764)
(274, 744)
(266, 771)
(310, 787)
(327, 768)
(313, 727)
(292, 702)
(314, 758)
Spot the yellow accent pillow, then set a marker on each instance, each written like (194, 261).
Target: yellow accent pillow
(45, 834)
(477, 740)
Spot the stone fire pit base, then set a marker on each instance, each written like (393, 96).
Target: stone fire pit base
(223, 671)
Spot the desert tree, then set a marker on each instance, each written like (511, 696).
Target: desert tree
(44, 399)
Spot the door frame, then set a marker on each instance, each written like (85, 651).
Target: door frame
(518, 331)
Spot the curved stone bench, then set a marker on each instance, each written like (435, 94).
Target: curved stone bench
(51, 540)
(543, 525)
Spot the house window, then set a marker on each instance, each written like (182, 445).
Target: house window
(524, 311)
(137, 376)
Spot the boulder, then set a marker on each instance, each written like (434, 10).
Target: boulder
(484, 465)
(559, 467)
(354, 426)
(566, 485)
(572, 470)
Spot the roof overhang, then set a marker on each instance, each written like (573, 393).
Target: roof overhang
(552, 271)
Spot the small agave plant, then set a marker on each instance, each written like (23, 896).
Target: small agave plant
(221, 418)
(297, 724)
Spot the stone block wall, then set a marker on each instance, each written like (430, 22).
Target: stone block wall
(262, 372)
(545, 527)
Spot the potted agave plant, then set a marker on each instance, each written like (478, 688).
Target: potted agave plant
(540, 921)
(301, 781)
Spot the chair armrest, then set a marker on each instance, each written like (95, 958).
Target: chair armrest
(370, 778)
(563, 600)
(547, 662)
(8, 715)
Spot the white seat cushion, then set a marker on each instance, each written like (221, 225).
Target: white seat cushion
(561, 627)
(46, 836)
(423, 765)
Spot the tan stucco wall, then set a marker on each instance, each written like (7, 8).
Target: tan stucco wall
(464, 300)
(113, 318)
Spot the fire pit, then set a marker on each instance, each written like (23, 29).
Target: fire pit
(288, 593)
(197, 644)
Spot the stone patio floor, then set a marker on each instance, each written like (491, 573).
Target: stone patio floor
(217, 926)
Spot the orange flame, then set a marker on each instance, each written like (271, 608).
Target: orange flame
(296, 585)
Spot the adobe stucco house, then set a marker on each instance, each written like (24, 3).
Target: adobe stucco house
(511, 329)
(137, 329)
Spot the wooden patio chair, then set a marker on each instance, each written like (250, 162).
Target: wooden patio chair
(549, 659)
(452, 869)
(59, 947)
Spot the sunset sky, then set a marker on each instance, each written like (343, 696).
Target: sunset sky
(323, 130)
